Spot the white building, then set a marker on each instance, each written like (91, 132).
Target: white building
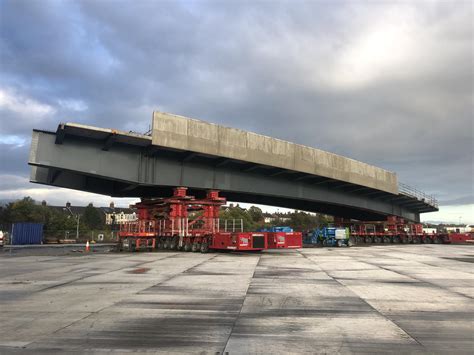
(119, 215)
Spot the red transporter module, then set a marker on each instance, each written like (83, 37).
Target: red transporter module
(239, 241)
(284, 240)
(138, 234)
(393, 230)
(459, 238)
(182, 222)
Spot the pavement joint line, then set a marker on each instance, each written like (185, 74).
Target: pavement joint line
(199, 264)
(114, 304)
(177, 274)
(241, 306)
(105, 273)
(417, 279)
(368, 304)
(62, 258)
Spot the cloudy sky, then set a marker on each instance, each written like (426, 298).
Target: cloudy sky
(389, 83)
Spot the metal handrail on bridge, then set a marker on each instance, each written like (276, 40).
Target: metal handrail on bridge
(419, 195)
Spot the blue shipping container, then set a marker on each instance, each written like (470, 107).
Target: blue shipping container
(27, 233)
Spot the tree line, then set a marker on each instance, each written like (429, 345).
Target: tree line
(254, 218)
(55, 222)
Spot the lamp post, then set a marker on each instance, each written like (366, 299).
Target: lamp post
(78, 217)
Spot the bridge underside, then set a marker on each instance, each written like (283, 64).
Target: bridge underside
(129, 166)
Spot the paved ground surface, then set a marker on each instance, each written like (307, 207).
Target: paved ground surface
(399, 299)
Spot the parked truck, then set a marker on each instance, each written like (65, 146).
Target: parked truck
(329, 237)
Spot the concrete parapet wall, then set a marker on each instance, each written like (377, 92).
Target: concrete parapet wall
(177, 132)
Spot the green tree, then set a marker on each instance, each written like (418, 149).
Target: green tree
(92, 218)
(237, 213)
(24, 210)
(256, 214)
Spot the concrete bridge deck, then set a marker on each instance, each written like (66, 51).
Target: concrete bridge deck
(252, 168)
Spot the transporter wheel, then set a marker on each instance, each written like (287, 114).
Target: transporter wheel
(188, 246)
(156, 244)
(196, 247)
(377, 239)
(397, 239)
(427, 240)
(204, 247)
(132, 244)
(386, 239)
(159, 243)
(173, 243)
(166, 243)
(438, 240)
(359, 240)
(369, 240)
(416, 240)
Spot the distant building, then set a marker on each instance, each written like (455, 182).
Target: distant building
(111, 214)
(231, 206)
(274, 219)
(457, 229)
(68, 209)
(117, 215)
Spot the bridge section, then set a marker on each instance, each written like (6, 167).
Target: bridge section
(124, 164)
(177, 132)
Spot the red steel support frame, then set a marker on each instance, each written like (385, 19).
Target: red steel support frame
(164, 223)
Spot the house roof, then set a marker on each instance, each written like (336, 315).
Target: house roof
(79, 210)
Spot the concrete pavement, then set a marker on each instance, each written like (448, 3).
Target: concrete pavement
(395, 299)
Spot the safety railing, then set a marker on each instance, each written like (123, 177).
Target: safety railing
(419, 195)
(138, 227)
(231, 225)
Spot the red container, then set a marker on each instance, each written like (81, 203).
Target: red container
(239, 241)
(459, 238)
(284, 240)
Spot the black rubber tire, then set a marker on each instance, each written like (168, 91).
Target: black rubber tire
(166, 243)
(132, 244)
(377, 240)
(360, 240)
(196, 247)
(204, 247)
(173, 244)
(416, 240)
(427, 240)
(187, 247)
(387, 239)
(438, 240)
(369, 240)
(159, 243)
(397, 240)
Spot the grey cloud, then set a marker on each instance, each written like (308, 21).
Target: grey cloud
(14, 159)
(263, 67)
